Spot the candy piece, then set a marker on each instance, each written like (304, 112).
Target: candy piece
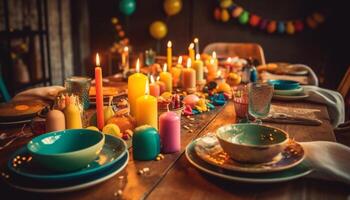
(210, 106)
(191, 100)
(224, 87)
(188, 110)
(195, 112)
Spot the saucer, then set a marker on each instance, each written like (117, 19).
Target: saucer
(22, 165)
(208, 149)
(298, 171)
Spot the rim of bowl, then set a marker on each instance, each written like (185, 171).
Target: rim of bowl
(252, 145)
(70, 152)
(289, 82)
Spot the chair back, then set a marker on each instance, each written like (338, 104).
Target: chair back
(344, 85)
(242, 50)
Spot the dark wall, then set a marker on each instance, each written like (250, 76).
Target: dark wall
(320, 48)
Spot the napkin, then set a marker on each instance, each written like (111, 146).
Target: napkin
(39, 94)
(332, 99)
(329, 159)
(310, 79)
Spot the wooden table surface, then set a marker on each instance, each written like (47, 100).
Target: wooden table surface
(175, 178)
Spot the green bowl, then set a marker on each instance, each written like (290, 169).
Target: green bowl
(66, 150)
(252, 143)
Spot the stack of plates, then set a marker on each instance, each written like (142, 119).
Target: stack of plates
(206, 154)
(287, 90)
(25, 174)
(14, 113)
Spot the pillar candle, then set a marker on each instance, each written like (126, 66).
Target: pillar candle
(189, 77)
(145, 143)
(196, 45)
(169, 130)
(176, 72)
(147, 110)
(99, 94)
(169, 55)
(154, 88)
(167, 79)
(191, 51)
(136, 88)
(212, 70)
(198, 66)
(161, 85)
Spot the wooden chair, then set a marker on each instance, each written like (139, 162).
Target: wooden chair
(243, 50)
(344, 85)
(3, 89)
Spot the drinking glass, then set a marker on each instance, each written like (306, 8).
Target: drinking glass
(260, 95)
(240, 102)
(79, 86)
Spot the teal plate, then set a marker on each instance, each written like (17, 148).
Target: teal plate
(22, 165)
(68, 186)
(293, 173)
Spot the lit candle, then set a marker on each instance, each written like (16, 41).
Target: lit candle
(189, 78)
(212, 68)
(198, 66)
(167, 79)
(213, 56)
(99, 94)
(191, 51)
(169, 55)
(176, 72)
(196, 45)
(136, 87)
(169, 130)
(154, 88)
(125, 58)
(161, 85)
(147, 110)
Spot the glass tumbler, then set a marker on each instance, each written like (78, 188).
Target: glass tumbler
(79, 86)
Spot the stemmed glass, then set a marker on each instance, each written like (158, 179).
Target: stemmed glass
(260, 95)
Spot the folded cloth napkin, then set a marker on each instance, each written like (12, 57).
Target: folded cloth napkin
(39, 94)
(330, 160)
(333, 100)
(310, 79)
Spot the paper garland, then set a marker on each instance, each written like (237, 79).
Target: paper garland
(228, 10)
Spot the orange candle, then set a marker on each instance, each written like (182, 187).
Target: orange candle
(154, 88)
(191, 51)
(169, 55)
(99, 94)
(167, 79)
(176, 72)
(161, 85)
(189, 78)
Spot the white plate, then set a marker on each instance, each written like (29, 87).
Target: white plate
(73, 187)
(273, 177)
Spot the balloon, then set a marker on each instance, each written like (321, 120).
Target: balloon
(244, 17)
(172, 7)
(271, 27)
(225, 16)
(299, 25)
(254, 20)
(225, 3)
(280, 27)
(311, 22)
(237, 12)
(318, 17)
(158, 30)
(127, 7)
(217, 14)
(263, 24)
(290, 28)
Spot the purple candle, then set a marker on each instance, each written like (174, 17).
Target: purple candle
(169, 130)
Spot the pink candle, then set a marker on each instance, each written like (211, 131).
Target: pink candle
(154, 88)
(169, 130)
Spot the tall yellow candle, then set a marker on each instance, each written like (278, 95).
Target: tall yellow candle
(169, 55)
(167, 79)
(191, 51)
(176, 72)
(136, 88)
(189, 78)
(147, 110)
(198, 66)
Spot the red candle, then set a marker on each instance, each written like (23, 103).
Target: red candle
(154, 88)
(99, 94)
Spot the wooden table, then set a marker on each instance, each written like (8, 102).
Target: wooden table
(175, 178)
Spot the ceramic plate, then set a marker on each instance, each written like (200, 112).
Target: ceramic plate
(10, 112)
(113, 150)
(15, 122)
(69, 186)
(209, 150)
(273, 177)
(291, 92)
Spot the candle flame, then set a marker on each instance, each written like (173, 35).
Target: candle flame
(147, 88)
(191, 46)
(126, 49)
(165, 67)
(138, 65)
(189, 63)
(97, 60)
(229, 60)
(152, 79)
(218, 73)
(213, 55)
(169, 44)
(195, 40)
(179, 61)
(198, 57)
(158, 78)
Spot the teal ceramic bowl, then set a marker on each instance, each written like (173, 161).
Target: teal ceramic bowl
(284, 84)
(67, 150)
(252, 143)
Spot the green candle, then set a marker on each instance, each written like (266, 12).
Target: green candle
(145, 143)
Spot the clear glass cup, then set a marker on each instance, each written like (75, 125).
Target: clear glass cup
(240, 102)
(79, 86)
(260, 95)
(150, 56)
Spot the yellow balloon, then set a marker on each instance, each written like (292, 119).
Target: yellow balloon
(225, 16)
(172, 7)
(158, 30)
